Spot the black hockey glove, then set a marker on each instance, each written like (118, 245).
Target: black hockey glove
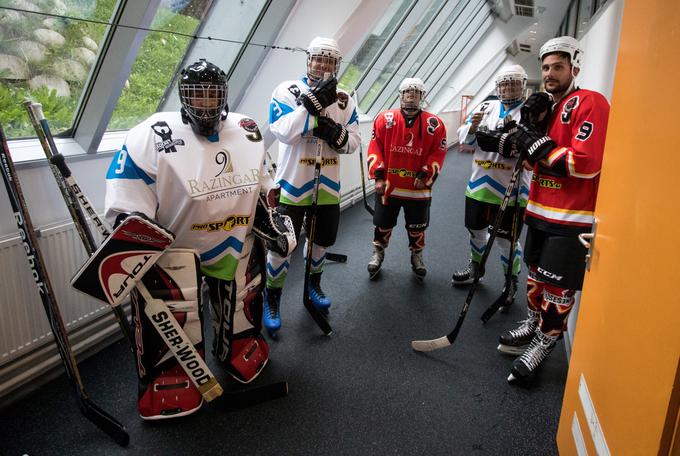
(536, 111)
(333, 133)
(533, 144)
(275, 229)
(319, 97)
(496, 141)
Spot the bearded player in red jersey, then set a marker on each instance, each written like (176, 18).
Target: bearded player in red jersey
(563, 140)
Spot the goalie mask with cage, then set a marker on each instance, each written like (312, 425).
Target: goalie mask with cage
(203, 90)
(411, 95)
(323, 56)
(511, 83)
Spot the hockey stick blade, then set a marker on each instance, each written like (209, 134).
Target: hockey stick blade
(337, 257)
(104, 421)
(430, 345)
(317, 316)
(493, 308)
(235, 400)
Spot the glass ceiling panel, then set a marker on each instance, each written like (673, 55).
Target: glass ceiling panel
(162, 55)
(373, 44)
(404, 48)
(47, 59)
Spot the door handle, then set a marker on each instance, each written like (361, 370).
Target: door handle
(587, 240)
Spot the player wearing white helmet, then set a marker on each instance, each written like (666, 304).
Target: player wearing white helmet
(405, 156)
(303, 112)
(562, 136)
(491, 174)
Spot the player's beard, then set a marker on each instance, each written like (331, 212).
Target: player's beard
(559, 89)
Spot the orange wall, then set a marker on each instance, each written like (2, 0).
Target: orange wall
(627, 340)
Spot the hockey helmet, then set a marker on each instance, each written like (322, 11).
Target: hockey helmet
(411, 95)
(203, 90)
(511, 82)
(323, 56)
(566, 44)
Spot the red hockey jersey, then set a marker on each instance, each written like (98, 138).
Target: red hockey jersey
(563, 193)
(400, 149)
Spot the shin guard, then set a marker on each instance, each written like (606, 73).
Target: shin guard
(381, 236)
(236, 308)
(165, 390)
(534, 290)
(557, 303)
(416, 240)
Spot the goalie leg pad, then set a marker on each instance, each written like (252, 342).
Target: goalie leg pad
(165, 390)
(237, 307)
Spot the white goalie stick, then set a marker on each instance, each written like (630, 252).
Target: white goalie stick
(89, 409)
(70, 191)
(447, 340)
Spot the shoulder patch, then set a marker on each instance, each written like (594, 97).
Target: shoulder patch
(250, 126)
(568, 108)
(166, 144)
(295, 90)
(432, 125)
(389, 118)
(343, 98)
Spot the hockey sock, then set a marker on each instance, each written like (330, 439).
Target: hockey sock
(318, 257)
(504, 247)
(416, 240)
(478, 240)
(557, 303)
(277, 270)
(534, 291)
(381, 236)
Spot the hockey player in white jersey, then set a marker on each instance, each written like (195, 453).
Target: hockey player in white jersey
(199, 173)
(302, 113)
(490, 177)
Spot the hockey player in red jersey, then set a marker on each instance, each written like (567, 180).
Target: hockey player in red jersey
(565, 148)
(405, 156)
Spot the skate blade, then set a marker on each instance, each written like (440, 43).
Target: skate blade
(507, 350)
(373, 275)
(511, 378)
(273, 334)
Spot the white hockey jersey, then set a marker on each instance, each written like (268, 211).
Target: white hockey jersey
(292, 125)
(202, 189)
(491, 171)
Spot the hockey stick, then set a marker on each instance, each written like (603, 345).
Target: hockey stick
(330, 256)
(361, 163)
(309, 305)
(445, 341)
(90, 410)
(71, 192)
(502, 300)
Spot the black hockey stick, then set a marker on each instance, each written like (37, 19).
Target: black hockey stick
(316, 314)
(235, 400)
(502, 300)
(361, 162)
(445, 341)
(91, 411)
(71, 192)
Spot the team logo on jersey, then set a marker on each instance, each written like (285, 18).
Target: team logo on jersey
(223, 158)
(250, 126)
(409, 139)
(432, 125)
(488, 164)
(401, 172)
(389, 117)
(343, 98)
(546, 182)
(227, 224)
(167, 144)
(295, 90)
(324, 162)
(568, 108)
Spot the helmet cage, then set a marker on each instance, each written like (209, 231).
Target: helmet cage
(510, 88)
(323, 56)
(411, 95)
(203, 92)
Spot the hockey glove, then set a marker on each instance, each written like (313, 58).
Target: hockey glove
(333, 133)
(497, 142)
(275, 229)
(536, 111)
(319, 97)
(533, 144)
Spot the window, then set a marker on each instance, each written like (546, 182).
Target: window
(47, 59)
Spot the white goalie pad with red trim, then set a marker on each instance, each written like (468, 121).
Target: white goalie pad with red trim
(123, 258)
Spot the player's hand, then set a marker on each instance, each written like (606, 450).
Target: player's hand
(475, 121)
(380, 186)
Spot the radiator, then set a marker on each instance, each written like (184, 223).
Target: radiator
(26, 342)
